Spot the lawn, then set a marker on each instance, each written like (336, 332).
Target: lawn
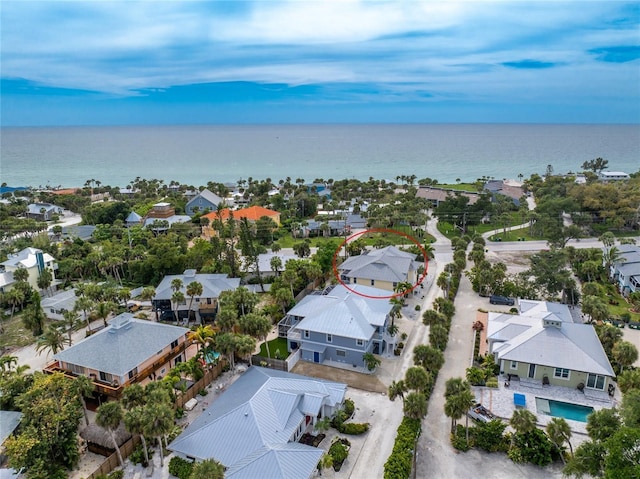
(277, 344)
(288, 241)
(458, 187)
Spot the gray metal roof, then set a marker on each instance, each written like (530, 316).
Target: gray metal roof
(122, 346)
(62, 300)
(524, 338)
(212, 284)
(344, 313)
(9, 421)
(249, 427)
(27, 258)
(388, 264)
(208, 196)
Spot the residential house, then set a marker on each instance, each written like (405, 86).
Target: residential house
(205, 200)
(35, 261)
(625, 272)
(9, 422)
(264, 263)
(438, 195)
(252, 214)
(609, 176)
(127, 351)
(55, 306)
(133, 219)
(204, 306)
(43, 211)
(501, 187)
(542, 345)
(253, 428)
(325, 228)
(382, 268)
(340, 325)
(162, 216)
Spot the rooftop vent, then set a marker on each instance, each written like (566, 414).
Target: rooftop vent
(190, 273)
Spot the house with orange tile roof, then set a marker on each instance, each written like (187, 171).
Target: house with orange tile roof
(252, 214)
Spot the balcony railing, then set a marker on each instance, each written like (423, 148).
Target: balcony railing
(114, 389)
(294, 335)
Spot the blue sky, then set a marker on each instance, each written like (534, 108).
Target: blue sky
(182, 62)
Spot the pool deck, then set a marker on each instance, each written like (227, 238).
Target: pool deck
(500, 401)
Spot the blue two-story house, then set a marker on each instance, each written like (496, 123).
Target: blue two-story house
(340, 325)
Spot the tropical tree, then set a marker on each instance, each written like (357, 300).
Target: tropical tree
(158, 421)
(428, 357)
(559, 432)
(109, 416)
(438, 336)
(147, 293)
(134, 422)
(629, 379)
(431, 317)
(207, 469)
(45, 278)
(370, 361)
(609, 335)
(53, 339)
(21, 274)
(193, 289)
(70, 322)
(104, 310)
(33, 316)
(326, 461)
(276, 264)
(202, 336)
(225, 343)
(227, 318)
(603, 424)
(84, 388)
(625, 354)
(14, 297)
(415, 405)
(397, 389)
(523, 421)
(177, 298)
(245, 345)
(85, 305)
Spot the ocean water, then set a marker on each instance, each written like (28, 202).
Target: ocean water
(69, 156)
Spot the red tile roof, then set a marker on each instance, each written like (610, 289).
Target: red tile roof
(253, 213)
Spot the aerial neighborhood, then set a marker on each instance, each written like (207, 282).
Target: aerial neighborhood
(338, 328)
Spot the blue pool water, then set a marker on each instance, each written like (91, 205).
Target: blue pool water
(567, 410)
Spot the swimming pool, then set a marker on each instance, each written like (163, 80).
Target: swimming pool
(575, 412)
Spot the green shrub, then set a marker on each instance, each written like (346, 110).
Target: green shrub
(476, 376)
(459, 438)
(203, 392)
(339, 452)
(179, 412)
(418, 307)
(398, 465)
(534, 447)
(353, 428)
(137, 456)
(180, 468)
(490, 436)
(349, 407)
(492, 382)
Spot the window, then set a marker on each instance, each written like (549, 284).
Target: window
(514, 364)
(306, 334)
(395, 285)
(561, 373)
(360, 342)
(595, 381)
(74, 368)
(106, 377)
(340, 352)
(174, 344)
(373, 282)
(133, 372)
(329, 338)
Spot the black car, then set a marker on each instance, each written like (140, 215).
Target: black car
(495, 299)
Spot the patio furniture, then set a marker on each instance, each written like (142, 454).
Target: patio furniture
(520, 400)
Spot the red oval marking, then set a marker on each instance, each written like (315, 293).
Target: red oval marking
(381, 230)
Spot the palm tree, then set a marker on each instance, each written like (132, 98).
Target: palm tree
(523, 421)
(431, 317)
(202, 336)
(559, 432)
(625, 354)
(438, 336)
(207, 469)
(158, 421)
(276, 264)
(84, 387)
(193, 289)
(53, 339)
(104, 309)
(245, 345)
(226, 344)
(428, 357)
(415, 405)
(85, 305)
(397, 389)
(45, 279)
(176, 284)
(14, 297)
(326, 461)
(418, 379)
(147, 293)
(70, 321)
(109, 416)
(134, 422)
(177, 298)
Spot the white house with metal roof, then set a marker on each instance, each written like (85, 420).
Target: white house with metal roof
(626, 270)
(127, 351)
(34, 261)
(381, 268)
(254, 427)
(542, 345)
(54, 306)
(205, 305)
(340, 324)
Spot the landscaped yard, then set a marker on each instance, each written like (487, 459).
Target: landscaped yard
(275, 345)
(15, 334)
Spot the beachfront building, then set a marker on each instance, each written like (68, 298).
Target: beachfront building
(542, 345)
(204, 307)
(254, 427)
(203, 201)
(383, 268)
(162, 216)
(339, 325)
(609, 176)
(127, 351)
(437, 195)
(34, 261)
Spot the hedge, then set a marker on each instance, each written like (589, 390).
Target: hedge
(399, 463)
(353, 428)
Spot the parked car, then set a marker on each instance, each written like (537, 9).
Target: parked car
(495, 299)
